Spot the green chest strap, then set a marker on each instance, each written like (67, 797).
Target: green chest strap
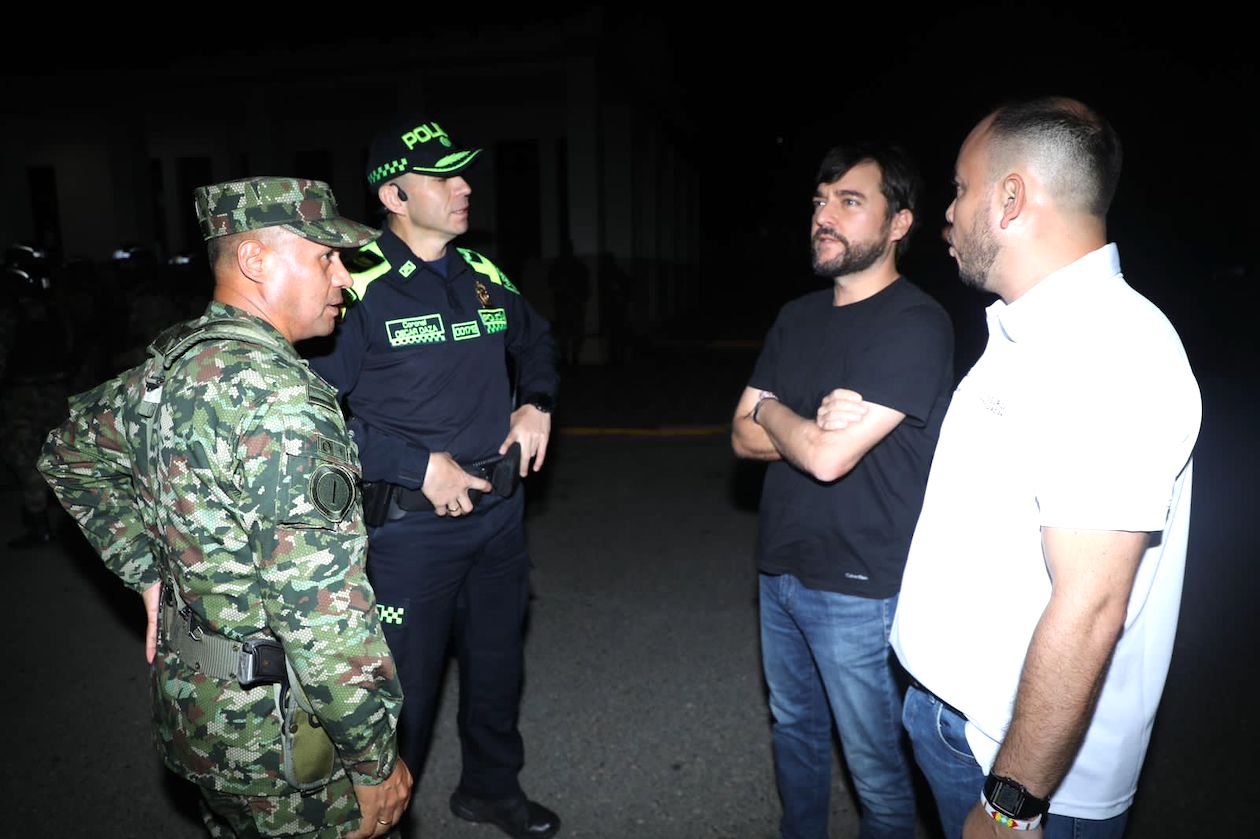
(172, 344)
(211, 654)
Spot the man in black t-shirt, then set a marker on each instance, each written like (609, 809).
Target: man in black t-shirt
(846, 401)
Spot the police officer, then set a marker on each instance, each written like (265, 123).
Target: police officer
(218, 480)
(34, 362)
(421, 359)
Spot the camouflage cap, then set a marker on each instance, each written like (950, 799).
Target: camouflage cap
(300, 206)
(415, 146)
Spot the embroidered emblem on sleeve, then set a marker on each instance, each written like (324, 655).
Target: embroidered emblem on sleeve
(332, 491)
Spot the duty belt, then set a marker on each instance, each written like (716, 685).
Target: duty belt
(308, 754)
(256, 661)
(383, 501)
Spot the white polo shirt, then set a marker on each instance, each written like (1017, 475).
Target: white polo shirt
(1081, 413)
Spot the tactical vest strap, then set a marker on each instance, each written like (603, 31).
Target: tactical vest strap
(171, 345)
(217, 656)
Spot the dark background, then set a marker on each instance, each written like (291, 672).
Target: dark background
(1179, 92)
(753, 102)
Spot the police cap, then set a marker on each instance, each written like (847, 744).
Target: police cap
(413, 145)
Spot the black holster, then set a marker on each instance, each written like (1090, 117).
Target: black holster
(383, 501)
(376, 498)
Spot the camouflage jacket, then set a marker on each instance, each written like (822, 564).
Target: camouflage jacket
(241, 439)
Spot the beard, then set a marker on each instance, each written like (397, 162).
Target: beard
(975, 261)
(855, 258)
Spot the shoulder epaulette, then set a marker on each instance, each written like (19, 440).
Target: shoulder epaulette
(319, 392)
(487, 268)
(366, 264)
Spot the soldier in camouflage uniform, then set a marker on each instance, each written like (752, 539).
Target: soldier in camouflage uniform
(34, 360)
(217, 479)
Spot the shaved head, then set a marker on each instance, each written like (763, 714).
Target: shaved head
(1072, 149)
(224, 247)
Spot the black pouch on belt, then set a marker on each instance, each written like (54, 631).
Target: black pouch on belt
(384, 501)
(376, 497)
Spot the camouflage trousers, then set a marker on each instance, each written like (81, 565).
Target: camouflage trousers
(330, 812)
(27, 413)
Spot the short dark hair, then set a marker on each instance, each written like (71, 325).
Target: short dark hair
(215, 249)
(900, 181)
(224, 247)
(1080, 151)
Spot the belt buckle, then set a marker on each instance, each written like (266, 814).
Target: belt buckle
(190, 623)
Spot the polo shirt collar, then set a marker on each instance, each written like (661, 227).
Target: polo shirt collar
(399, 254)
(1069, 288)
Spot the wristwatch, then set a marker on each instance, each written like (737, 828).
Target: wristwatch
(1011, 804)
(762, 397)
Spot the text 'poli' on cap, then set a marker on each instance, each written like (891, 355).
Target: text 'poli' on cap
(416, 146)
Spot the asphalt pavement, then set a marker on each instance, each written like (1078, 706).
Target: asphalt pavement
(644, 711)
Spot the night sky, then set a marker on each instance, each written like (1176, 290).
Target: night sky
(1180, 92)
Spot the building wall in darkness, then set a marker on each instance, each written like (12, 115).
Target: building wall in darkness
(122, 141)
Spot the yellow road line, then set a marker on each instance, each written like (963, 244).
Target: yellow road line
(664, 431)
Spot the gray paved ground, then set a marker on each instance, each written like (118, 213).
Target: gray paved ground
(644, 712)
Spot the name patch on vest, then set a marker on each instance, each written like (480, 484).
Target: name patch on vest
(425, 329)
(495, 320)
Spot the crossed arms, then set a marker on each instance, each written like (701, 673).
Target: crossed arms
(826, 446)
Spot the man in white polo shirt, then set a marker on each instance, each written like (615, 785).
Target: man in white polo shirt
(1042, 589)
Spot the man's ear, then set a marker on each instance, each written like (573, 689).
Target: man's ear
(251, 259)
(901, 224)
(390, 197)
(1013, 195)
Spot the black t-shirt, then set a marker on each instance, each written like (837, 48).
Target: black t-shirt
(896, 349)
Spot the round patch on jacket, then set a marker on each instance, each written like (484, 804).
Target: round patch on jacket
(332, 491)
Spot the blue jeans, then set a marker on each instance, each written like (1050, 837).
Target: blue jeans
(942, 752)
(826, 654)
